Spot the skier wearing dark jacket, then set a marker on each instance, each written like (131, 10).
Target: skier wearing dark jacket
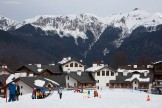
(12, 89)
(17, 92)
(60, 92)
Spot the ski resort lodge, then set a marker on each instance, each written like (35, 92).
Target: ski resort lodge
(74, 74)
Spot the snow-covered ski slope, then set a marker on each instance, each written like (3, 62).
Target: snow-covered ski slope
(109, 99)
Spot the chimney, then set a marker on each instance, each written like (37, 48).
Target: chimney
(81, 60)
(79, 72)
(69, 58)
(134, 66)
(68, 71)
(94, 65)
(64, 58)
(38, 65)
(51, 64)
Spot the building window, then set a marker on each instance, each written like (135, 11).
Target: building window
(68, 78)
(103, 73)
(71, 65)
(97, 81)
(107, 73)
(107, 84)
(76, 65)
(112, 73)
(98, 73)
(21, 87)
(66, 66)
(135, 82)
(74, 84)
(97, 87)
(121, 74)
(80, 65)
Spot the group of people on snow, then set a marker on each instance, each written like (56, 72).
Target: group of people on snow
(40, 93)
(14, 92)
(95, 93)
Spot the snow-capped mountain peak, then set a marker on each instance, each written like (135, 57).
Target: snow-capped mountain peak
(131, 20)
(78, 24)
(71, 25)
(6, 23)
(158, 15)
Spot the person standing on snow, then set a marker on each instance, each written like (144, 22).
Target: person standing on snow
(89, 93)
(17, 92)
(12, 89)
(60, 92)
(43, 92)
(34, 93)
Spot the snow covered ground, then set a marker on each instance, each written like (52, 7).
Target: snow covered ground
(109, 99)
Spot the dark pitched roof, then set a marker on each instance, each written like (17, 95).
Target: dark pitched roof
(73, 60)
(121, 79)
(59, 79)
(85, 77)
(31, 80)
(108, 68)
(132, 68)
(51, 68)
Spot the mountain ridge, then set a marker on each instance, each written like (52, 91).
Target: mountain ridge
(84, 36)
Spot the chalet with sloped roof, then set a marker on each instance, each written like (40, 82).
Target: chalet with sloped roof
(39, 70)
(133, 77)
(102, 74)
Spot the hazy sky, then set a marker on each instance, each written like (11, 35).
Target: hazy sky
(23, 9)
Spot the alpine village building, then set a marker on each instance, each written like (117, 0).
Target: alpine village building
(74, 74)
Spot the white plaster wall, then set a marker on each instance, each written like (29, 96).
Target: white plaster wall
(65, 69)
(23, 74)
(17, 75)
(104, 79)
(71, 81)
(150, 86)
(135, 85)
(26, 89)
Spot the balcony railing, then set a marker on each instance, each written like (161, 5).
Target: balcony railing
(158, 85)
(120, 87)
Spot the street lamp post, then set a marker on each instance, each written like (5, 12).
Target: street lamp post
(5, 91)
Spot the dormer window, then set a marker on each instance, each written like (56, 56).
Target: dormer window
(76, 65)
(66, 66)
(71, 64)
(112, 73)
(103, 73)
(98, 73)
(107, 73)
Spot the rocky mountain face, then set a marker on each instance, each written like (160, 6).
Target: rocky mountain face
(111, 39)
